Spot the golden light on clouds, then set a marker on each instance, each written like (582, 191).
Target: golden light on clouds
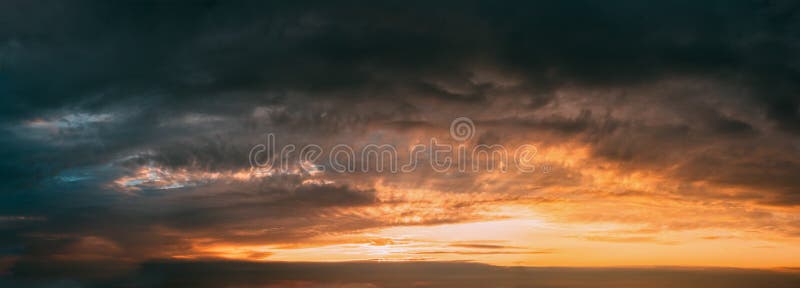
(603, 215)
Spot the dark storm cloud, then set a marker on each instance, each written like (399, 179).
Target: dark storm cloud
(282, 209)
(167, 60)
(191, 55)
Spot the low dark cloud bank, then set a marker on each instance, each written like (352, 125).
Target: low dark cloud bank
(372, 274)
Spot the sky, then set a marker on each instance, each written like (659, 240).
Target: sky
(647, 144)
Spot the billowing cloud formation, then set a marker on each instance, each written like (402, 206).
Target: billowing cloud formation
(671, 129)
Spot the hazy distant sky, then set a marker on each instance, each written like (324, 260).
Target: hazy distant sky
(667, 134)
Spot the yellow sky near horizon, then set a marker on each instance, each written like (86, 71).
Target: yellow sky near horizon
(607, 218)
(585, 211)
